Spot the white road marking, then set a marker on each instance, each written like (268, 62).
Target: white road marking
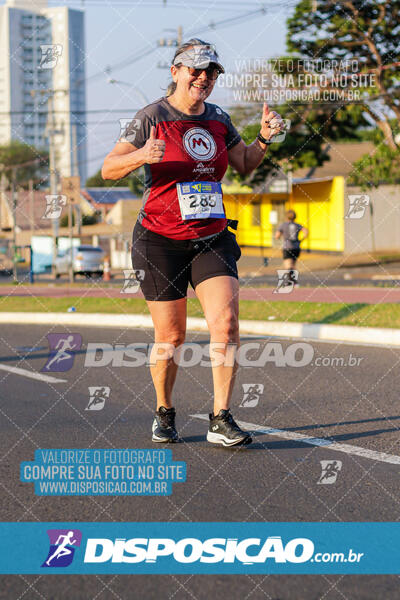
(330, 445)
(31, 374)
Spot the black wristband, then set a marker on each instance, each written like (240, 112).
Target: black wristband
(262, 139)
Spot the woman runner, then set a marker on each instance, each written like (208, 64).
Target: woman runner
(181, 235)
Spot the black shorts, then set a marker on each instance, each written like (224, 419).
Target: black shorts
(293, 253)
(170, 265)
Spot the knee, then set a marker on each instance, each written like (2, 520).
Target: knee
(225, 328)
(175, 337)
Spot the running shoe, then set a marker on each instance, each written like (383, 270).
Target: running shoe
(164, 426)
(293, 279)
(224, 430)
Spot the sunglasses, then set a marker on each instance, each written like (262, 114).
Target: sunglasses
(211, 72)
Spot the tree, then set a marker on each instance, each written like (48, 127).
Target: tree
(312, 126)
(371, 170)
(355, 42)
(97, 180)
(364, 31)
(135, 181)
(305, 144)
(34, 162)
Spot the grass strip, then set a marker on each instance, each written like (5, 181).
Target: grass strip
(356, 314)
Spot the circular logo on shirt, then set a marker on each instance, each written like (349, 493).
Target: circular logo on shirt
(199, 143)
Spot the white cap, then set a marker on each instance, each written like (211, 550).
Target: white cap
(199, 57)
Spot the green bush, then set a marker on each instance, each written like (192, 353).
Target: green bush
(86, 220)
(371, 170)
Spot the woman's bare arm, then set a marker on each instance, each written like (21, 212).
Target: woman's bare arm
(122, 159)
(125, 157)
(244, 159)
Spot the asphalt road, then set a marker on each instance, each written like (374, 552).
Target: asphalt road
(274, 479)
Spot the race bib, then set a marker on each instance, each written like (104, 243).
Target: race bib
(200, 200)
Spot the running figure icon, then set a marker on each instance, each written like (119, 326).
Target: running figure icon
(50, 55)
(62, 549)
(251, 394)
(62, 347)
(63, 545)
(55, 204)
(97, 397)
(330, 471)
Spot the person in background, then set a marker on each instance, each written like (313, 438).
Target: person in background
(289, 231)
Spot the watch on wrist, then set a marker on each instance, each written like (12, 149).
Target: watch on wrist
(262, 139)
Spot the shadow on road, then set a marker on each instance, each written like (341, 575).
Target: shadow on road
(346, 311)
(320, 426)
(31, 355)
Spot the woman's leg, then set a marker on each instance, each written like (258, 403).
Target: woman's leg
(169, 318)
(219, 297)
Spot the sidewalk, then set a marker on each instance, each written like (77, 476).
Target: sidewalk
(300, 331)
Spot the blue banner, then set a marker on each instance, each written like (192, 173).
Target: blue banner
(204, 548)
(111, 472)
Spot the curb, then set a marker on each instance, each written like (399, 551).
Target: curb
(333, 333)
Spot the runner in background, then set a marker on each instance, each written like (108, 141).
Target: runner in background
(289, 231)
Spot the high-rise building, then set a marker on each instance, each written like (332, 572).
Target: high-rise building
(42, 53)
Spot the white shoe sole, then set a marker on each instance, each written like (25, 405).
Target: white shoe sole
(161, 440)
(218, 438)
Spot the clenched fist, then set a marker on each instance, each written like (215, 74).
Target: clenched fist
(271, 123)
(153, 150)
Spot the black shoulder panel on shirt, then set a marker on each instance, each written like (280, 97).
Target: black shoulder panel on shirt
(161, 110)
(216, 113)
(156, 111)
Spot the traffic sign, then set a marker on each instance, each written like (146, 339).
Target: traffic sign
(71, 187)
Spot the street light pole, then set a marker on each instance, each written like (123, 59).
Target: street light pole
(53, 172)
(176, 40)
(71, 263)
(75, 171)
(14, 215)
(51, 131)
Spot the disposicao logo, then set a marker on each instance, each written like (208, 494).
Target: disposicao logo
(62, 547)
(190, 550)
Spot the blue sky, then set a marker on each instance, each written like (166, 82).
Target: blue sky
(118, 30)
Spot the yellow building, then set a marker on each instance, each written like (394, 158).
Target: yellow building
(318, 203)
